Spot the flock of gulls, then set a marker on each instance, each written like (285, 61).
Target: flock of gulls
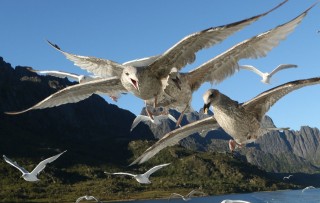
(158, 81)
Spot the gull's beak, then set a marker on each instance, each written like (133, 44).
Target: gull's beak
(206, 108)
(177, 82)
(135, 83)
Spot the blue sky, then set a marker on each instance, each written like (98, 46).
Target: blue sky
(124, 30)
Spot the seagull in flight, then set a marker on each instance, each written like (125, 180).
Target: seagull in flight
(267, 76)
(242, 121)
(32, 176)
(145, 77)
(141, 178)
(234, 201)
(86, 197)
(186, 197)
(287, 177)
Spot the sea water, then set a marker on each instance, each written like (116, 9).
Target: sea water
(285, 196)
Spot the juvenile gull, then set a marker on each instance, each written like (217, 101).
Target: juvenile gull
(33, 175)
(142, 178)
(186, 197)
(267, 76)
(86, 197)
(242, 121)
(220, 67)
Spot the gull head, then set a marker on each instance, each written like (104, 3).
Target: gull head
(130, 75)
(209, 98)
(174, 76)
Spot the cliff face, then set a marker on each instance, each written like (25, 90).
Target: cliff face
(92, 126)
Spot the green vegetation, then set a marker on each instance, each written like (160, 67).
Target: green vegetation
(214, 173)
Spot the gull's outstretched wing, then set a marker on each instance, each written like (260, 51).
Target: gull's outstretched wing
(175, 195)
(79, 92)
(43, 164)
(14, 164)
(251, 68)
(80, 198)
(138, 119)
(143, 62)
(154, 169)
(262, 103)
(194, 192)
(281, 67)
(226, 64)
(97, 66)
(121, 173)
(183, 52)
(56, 73)
(173, 137)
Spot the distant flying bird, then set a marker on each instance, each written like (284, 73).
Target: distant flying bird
(148, 82)
(142, 178)
(33, 175)
(308, 188)
(242, 121)
(267, 76)
(158, 114)
(234, 201)
(287, 177)
(186, 197)
(62, 74)
(86, 197)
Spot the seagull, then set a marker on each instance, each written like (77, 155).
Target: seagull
(220, 67)
(186, 197)
(267, 76)
(242, 121)
(87, 198)
(159, 114)
(142, 178)
(62, 74)
(234, 201)
(287, 177)
(145, 77)
(308, 188)
(145, 81)
(33, 175)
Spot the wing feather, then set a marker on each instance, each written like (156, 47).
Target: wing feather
(263, 102)
(15, 164)
(43, 163)
(97, 66)
(154, 169)
(183, 52)
(226, 64)
(173, 137)
(78, 92)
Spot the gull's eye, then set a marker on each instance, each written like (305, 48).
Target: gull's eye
(127, 73)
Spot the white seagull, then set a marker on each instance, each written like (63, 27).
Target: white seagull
(146, 81)
(33, 175)
(87, 198)
(267, 76)
(158, 114)
(287, 177)
(142, 178)
(242, 121)
(62, 74)
(186, 197)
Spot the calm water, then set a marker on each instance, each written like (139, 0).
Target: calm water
(288, 196)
